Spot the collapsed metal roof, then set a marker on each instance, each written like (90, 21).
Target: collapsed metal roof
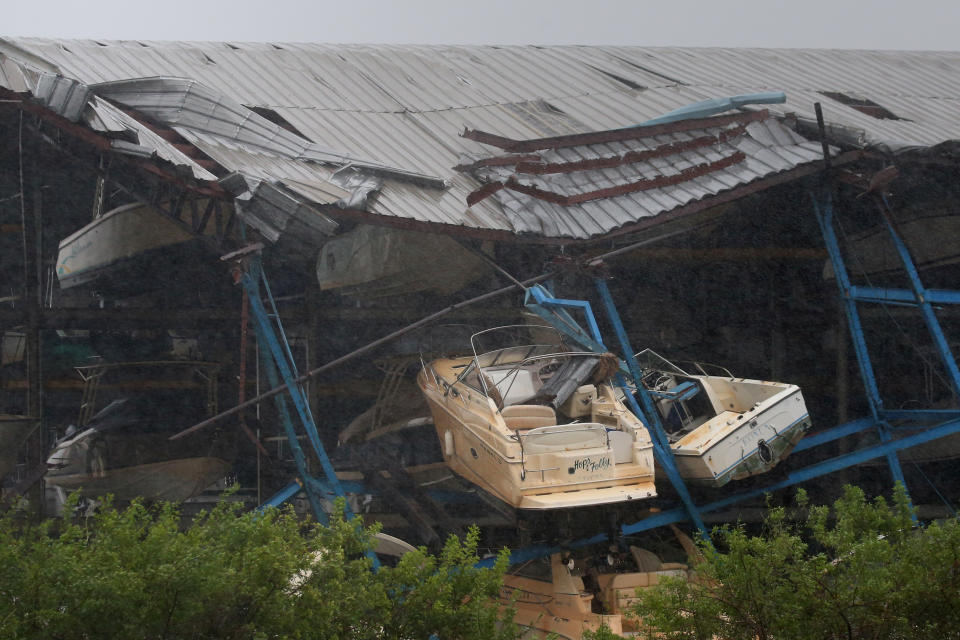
(376, 129)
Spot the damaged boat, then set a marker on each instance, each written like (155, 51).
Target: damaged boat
(537, 425)
(130, 240)
(721, 427)
(120, 444)
(567, 594)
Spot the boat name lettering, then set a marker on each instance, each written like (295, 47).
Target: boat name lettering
(591, 465)
(491, 452)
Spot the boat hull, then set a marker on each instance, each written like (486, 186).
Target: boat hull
(733, 446)
(172, 480)
(550, 467)
(112, 249)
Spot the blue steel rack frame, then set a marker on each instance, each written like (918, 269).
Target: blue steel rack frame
(278, 364)
(947, 421)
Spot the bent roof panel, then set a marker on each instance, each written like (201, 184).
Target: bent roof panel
(405, 105)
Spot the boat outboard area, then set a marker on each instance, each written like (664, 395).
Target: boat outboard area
(119, 445)
(721, 427)
(536, 424)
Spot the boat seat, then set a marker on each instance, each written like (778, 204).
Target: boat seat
(520, 417)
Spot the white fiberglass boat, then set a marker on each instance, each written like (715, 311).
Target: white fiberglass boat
(723, 428)
(536, 425)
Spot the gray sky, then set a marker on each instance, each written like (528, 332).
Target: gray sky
(851, 24)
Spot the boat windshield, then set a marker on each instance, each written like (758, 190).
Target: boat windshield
(515, 343)
(650, 360)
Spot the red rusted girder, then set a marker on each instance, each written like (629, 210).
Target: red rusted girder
(631, 157)
(498, 161)
(613, 135)
(618, 190)
(488, 189)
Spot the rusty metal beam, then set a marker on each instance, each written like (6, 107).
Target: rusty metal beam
(610, 192)
(613, 135)
(727, 196)
(498, 161)
(538, 167)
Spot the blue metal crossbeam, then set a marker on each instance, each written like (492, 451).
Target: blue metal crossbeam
(799, 476)
(661, 444)
(906, 297)
(836, 433)
(823, 208)
(283, 495)
(299, 458)
(553, 310)
(922, 297)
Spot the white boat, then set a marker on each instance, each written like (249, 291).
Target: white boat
(134, 237)
(538, 426)
(120, 445)
(375, 262)
(723, 428)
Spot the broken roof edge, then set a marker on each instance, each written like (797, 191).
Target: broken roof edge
(201, 108)
(697, 206)
(731, 195)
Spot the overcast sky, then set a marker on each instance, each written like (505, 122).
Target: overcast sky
(851, 24)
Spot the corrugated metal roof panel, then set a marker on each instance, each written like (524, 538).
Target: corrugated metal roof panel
(404, 106)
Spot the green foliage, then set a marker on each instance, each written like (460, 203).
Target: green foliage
(860, 569)
(136, 573)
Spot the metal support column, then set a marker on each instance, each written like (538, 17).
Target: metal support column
(823, 208)
(661, 445)
(279, 365)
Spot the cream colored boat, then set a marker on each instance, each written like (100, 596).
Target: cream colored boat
(538, 427)
(723, 428)
(564, 596)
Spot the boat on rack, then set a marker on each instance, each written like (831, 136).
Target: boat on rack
(536, 424)
(130, 240)
(721, 427)
(120, 444)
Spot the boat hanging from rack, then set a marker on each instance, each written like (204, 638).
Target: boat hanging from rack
(536, 424)
(720, 427)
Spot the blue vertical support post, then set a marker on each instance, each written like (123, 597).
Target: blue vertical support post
(922, 299)
(661, 445)
(823, 208)
(299, 458)
(284, 366)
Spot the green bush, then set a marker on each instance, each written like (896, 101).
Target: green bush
(859, 570)
(135, 573)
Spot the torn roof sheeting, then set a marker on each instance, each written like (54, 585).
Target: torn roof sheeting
(588, 184)
(403, 107)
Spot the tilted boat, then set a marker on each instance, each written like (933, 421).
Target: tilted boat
(123, 448)
(537, 425)
(720, 427)
(133, 239)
